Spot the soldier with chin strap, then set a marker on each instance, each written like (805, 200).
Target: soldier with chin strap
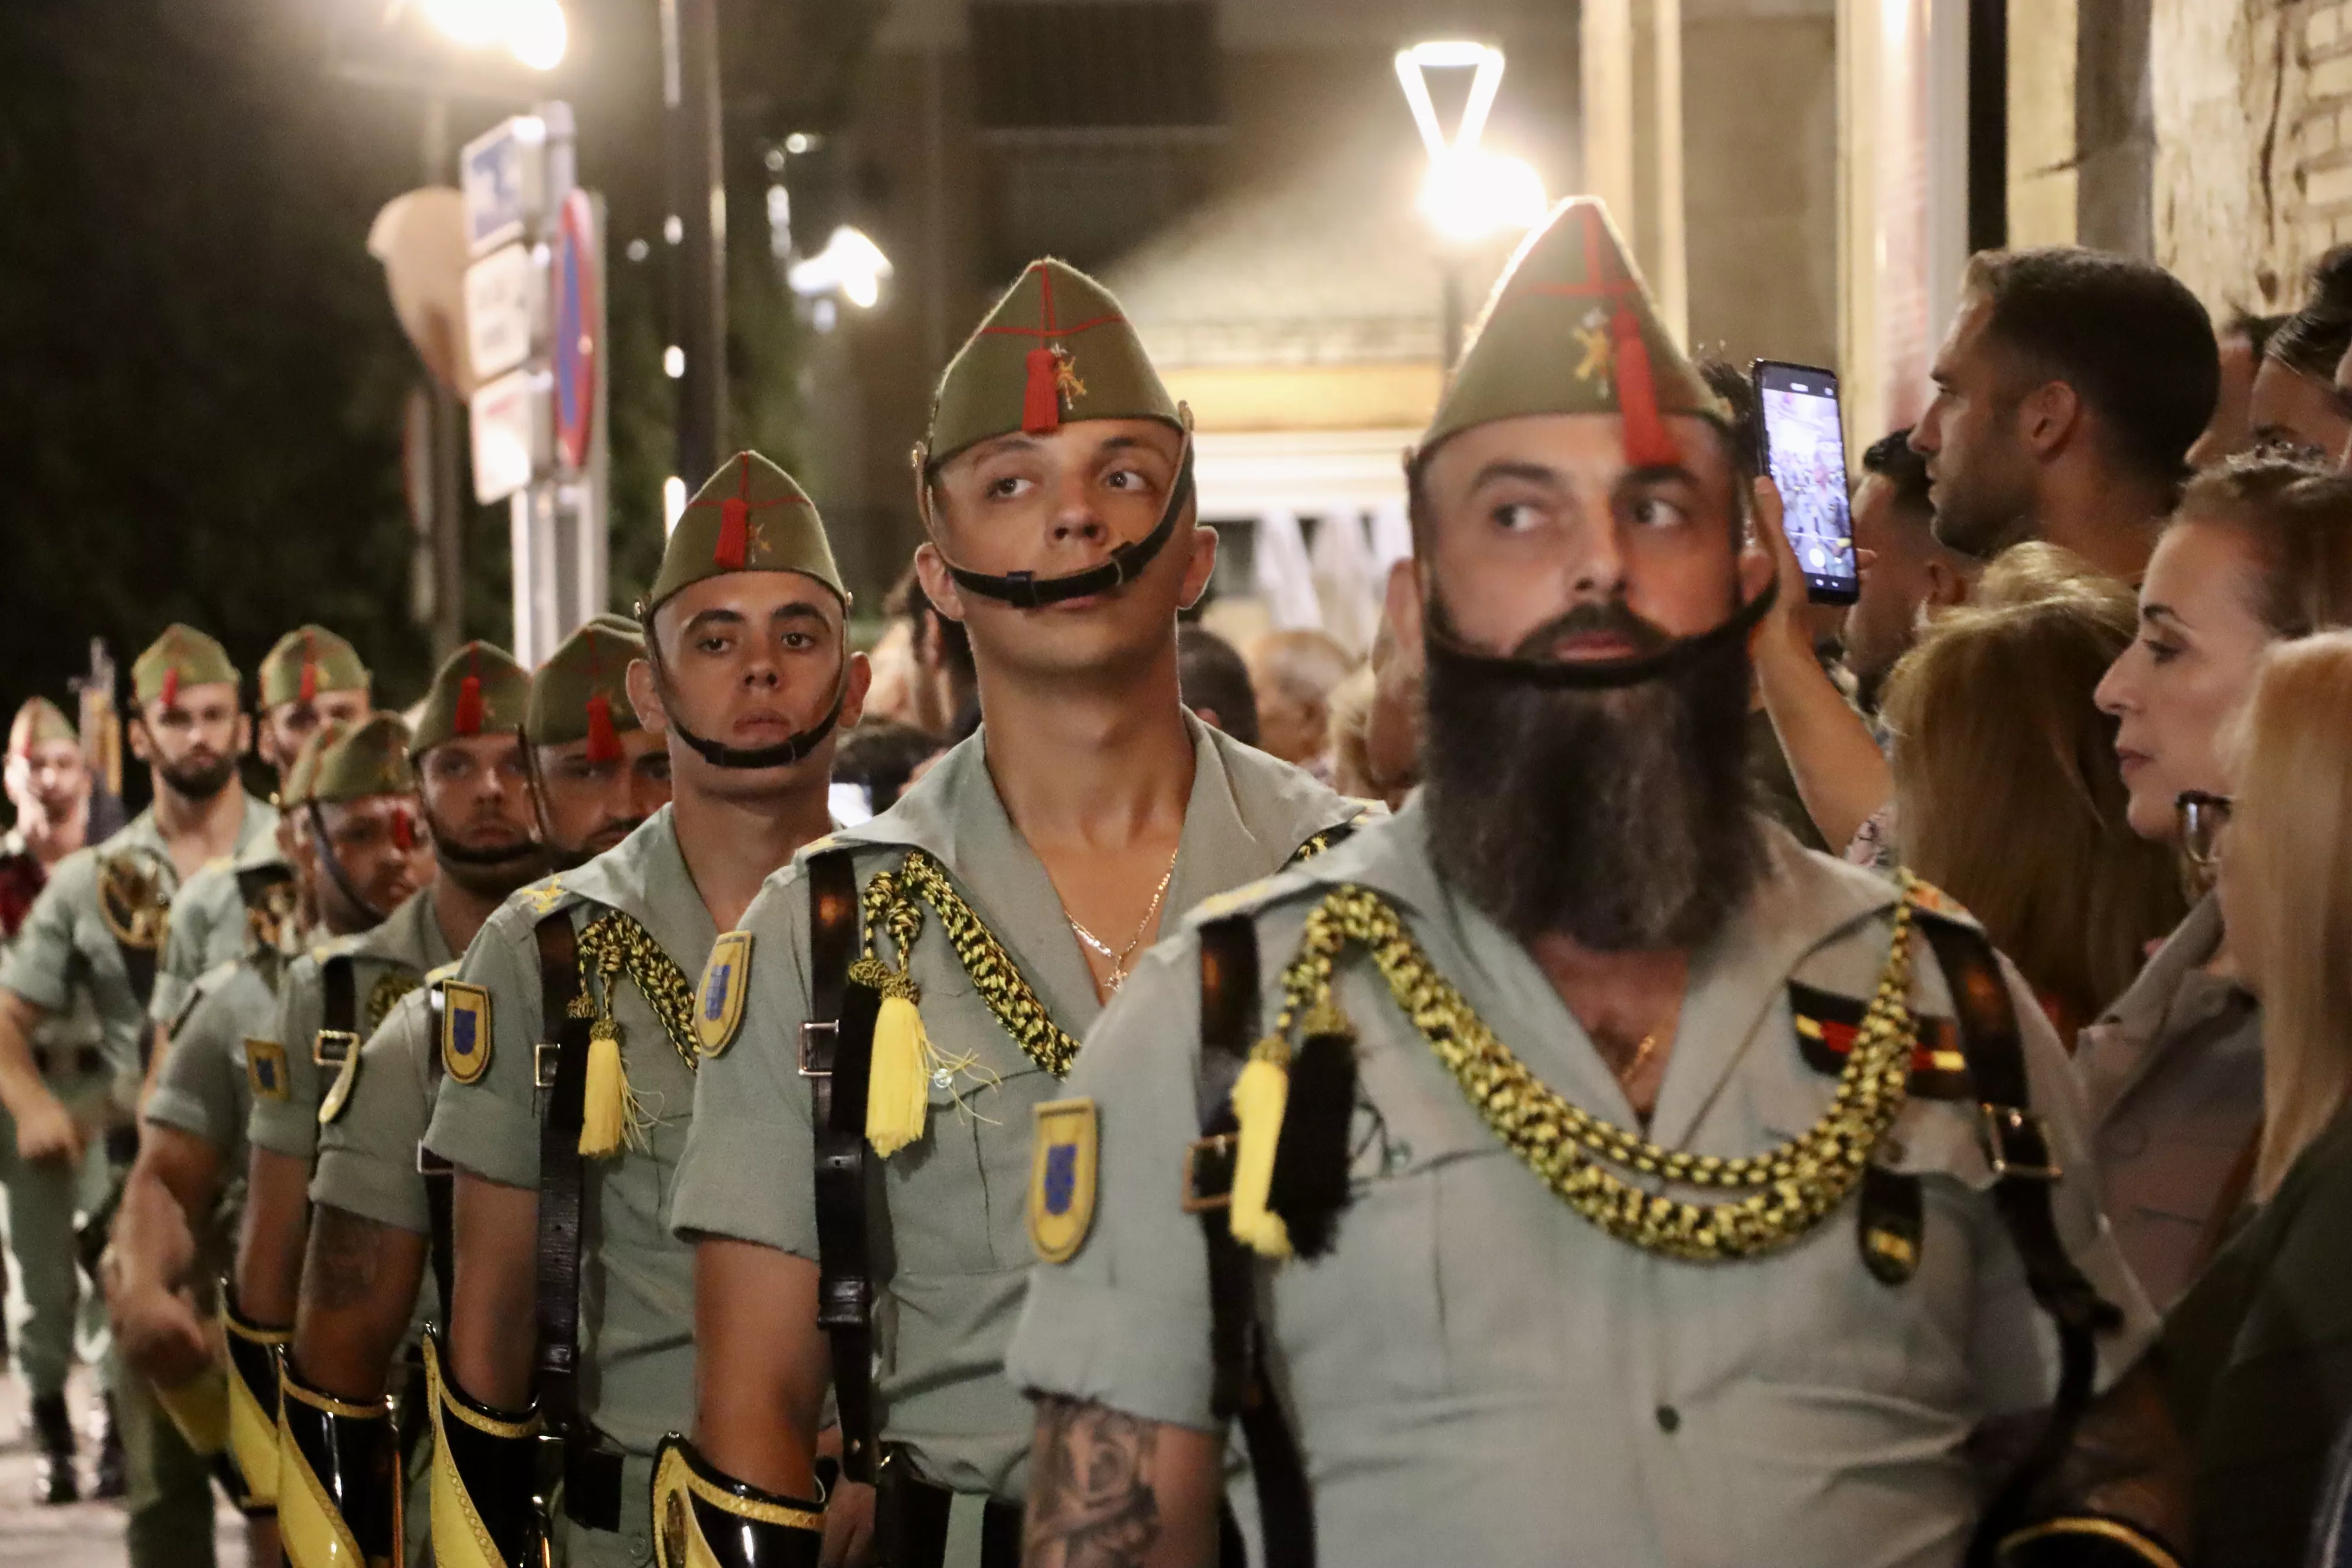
(378, 1265)
(1572, 1163)
(898, 1007)
(569, 1048)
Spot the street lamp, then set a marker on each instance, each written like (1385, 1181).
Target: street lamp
(534, 31)
(1468, 194)
(850, 265)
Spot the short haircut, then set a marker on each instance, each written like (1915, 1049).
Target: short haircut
(908, 602)
(1210, 674)
(1905, 472)
(881, 756)
(2310, 342)
(2127, 335)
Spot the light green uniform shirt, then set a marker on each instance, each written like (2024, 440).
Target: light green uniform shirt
(66, 1043)
(208, 919)
(637, 1283)
(202, 1088)
(386, 963)
(956, 1230)
(1479, 1374)
(66, 947)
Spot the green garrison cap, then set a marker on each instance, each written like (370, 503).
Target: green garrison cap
(750, 516)
(36, 723)
(581, 692)
(182, 657)
(1056, 348)
(1570, 329)
(294, 787)
(480, 690)
(307, 661)
(357, 761)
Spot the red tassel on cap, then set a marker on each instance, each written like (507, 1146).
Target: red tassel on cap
(468, 720)
(403, 833)
(1041, 401)
(604, 740)
(1648, 443)
(309, 688)
(172, 686)
(734, 546)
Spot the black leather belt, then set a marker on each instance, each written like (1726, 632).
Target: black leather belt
(556, 1307)
(591, 1479)
(910, 1522)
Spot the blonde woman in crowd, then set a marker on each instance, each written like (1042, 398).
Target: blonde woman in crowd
(2258, 1357)
(2006, 785)
(2259, 550)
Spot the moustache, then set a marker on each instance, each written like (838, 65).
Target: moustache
(1614, 619)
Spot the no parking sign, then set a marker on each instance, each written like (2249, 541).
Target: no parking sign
(577, 276)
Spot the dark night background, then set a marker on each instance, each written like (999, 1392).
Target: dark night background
(201, 378)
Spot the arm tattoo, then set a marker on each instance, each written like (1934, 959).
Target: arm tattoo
(345, 1256)
(1091, 1503)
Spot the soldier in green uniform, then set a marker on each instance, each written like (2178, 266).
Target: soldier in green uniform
(380, 1209)
(569, 1043)
(175, 1233)
(1572, 1166)
(48, 785)
(991, 913)
(311, 677)
(96, 933)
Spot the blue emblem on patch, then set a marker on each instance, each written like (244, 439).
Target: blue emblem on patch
(714, 993)
(266, 1071)
(461, 1032)
(1061, 1177)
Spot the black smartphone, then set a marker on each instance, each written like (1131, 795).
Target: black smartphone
(1804, 451)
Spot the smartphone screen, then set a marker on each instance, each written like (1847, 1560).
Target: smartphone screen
(1804, 445)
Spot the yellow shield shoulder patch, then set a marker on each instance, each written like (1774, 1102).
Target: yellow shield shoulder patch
(464, 1030)
(1062, 1179)
(338, 1093)
(718, 1005)
(265, 1068)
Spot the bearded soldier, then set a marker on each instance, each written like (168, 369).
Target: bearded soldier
(570, 1045)
(311, 678)
(380, 1207)
(989, 914)
(48, 785)
(97, 931)
(175, 1234)
(1570, 1164)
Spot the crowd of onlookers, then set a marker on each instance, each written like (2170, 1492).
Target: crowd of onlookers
(2093, 690)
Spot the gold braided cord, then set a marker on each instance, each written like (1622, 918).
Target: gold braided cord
(613, 945)
(891, 905)
(385, 995)
(1790, 1189)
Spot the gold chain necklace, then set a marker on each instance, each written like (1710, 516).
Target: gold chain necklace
(1791, 1188)
(1119, 960)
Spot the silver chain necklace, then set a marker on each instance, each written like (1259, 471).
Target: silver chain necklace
(1118, 959)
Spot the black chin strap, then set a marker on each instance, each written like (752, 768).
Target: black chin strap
(334, 866)
(783, 755)
(1027, 591)
(1602, 674)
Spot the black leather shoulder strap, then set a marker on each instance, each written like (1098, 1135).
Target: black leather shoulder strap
(557, 1302)
(838, 1058)
(2025, 1171)
(1241, 1388)
(339, 994)
(435, 1170)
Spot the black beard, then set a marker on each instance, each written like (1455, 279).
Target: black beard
(1616, 817)
(493, 870)
(199, 781)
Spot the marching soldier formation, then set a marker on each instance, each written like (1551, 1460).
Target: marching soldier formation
(558, 1141)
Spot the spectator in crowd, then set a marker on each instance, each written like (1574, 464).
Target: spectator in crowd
(1376, 714)
(2294, 402)
(2006, 783)
(1215, 683)
(2259, 551)
(2258, 1354)
(1908, 571)
(1294, 674)
(879, 759)
(943, 690)
(2067, 395)
(2244, 339)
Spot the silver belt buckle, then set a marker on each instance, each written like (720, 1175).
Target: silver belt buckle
(807, 1030)
(542, 1063)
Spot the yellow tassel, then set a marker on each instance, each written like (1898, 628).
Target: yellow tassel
(609, 1107)
(1260, 1096)
(899, 1095)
